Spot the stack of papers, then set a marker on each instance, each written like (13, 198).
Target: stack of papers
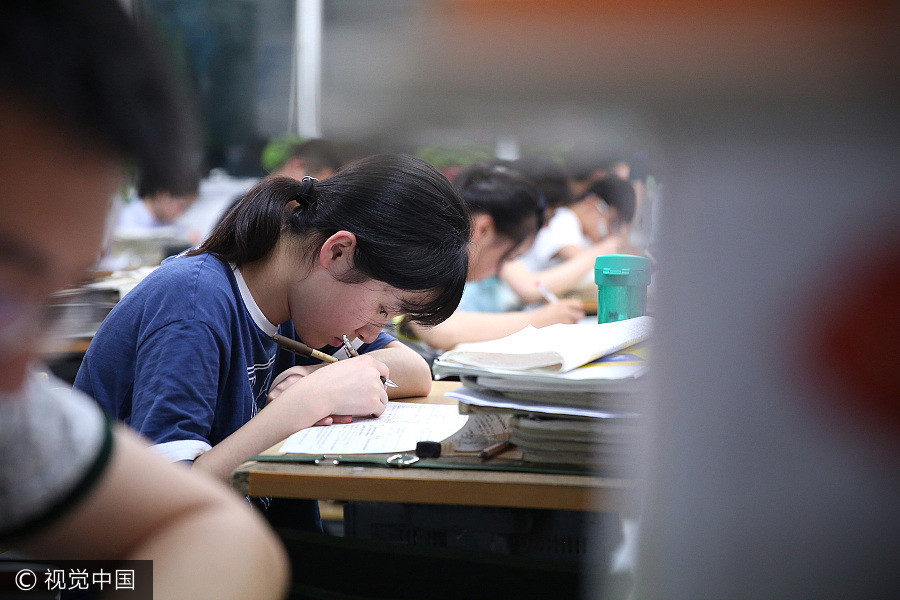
(574, 392)
(605, 444)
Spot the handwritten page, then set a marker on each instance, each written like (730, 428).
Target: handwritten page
(398, 429)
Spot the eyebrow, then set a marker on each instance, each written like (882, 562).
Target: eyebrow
(22, 256)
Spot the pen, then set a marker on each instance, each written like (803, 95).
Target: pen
(302, 349)
(351, 351)
(546, 293)
(495, 450)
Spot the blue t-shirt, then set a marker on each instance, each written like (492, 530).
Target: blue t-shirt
(488, 295)
(186, 358)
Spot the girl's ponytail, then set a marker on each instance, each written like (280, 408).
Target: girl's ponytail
(253, 226)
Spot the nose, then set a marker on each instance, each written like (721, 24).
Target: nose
(368, 333)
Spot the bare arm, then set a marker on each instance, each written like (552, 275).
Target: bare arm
(475, 326)
(407, 369)
(347, 387)
(559, 279)
(204, 541)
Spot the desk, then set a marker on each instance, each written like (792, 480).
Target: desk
(426, 486)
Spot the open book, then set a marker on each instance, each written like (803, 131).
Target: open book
(553, 349)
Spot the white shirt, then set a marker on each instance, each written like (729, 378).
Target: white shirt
(564, 229)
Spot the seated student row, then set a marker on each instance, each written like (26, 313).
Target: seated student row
(509, 238)
(584, 220)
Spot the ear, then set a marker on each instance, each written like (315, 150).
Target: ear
(482, 227)
(336, 254)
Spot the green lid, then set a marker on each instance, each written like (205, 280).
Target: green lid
(622, 269)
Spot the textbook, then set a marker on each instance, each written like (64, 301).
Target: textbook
(554, 349)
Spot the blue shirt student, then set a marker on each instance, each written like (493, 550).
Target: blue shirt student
(187, 357)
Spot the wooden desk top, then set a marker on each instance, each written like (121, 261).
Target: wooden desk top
(435, 486)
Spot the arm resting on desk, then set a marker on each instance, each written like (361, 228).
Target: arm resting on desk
(408, 370)
(204, 542)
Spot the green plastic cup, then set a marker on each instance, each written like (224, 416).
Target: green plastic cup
(622, 282)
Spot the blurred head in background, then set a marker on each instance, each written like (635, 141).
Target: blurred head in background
(165, 203)
(550, 179)
(506, 215)
(316, 157)
(607, 208)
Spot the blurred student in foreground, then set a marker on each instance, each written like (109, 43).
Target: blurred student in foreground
(506, 214)
(82, 98)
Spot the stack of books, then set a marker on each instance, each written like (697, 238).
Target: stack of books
(573, 394)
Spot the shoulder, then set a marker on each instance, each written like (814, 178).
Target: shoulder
(201, 266)
(56, 443)
(182, 275)
(184, 287)
(564, 222)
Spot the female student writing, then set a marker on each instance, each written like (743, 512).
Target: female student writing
(506, 215)
(187, 357)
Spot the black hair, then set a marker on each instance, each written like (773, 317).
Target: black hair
(581, 166)
(319, 154)
(511, 200)
(147, 186)
(88, 63)
(412, 229)
(549, 176)
(617, 193)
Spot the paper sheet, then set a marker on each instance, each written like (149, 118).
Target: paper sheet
(396, 430)
(482, 430)
(553, 349)
(482, 398)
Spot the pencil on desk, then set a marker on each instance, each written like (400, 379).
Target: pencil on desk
(302, 349)
(351, 352)
(495, 450)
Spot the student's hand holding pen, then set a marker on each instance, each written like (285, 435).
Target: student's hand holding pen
(335, 392)
(289, 377)
(570, 310)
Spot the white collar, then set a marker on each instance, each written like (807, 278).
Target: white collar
(252, 307)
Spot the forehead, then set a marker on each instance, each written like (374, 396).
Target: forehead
(54, 193)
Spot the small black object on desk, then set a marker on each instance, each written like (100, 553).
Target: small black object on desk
(428, 449)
